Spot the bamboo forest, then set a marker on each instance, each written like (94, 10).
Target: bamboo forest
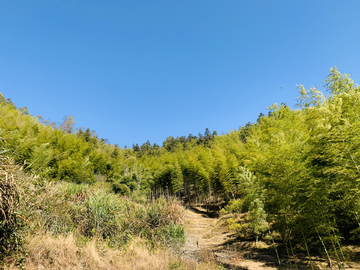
(290, 181)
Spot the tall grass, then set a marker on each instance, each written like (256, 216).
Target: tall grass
(77, 226)
(11, 222)
(82, 226)
(89, 212)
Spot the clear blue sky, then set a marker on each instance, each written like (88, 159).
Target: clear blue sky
(144, 70)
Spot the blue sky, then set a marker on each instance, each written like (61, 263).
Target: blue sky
(144, 70)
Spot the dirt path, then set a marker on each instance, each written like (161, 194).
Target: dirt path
(208, 238)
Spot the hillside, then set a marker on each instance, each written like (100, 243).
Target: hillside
(290, 180)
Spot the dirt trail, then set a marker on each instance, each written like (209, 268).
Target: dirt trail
(207, 236)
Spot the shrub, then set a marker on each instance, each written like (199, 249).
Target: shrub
(121, 189)
(234, 206)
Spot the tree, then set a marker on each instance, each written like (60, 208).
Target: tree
(244, 132)
(258, 224)
(24, 110)
(116, 151)
(87, 135)
(137, 150)
(2, 99)
(68, 124)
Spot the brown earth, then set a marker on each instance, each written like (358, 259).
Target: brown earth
(208, 239)
(207, 235)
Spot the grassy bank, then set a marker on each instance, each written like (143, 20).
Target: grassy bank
(53, 224)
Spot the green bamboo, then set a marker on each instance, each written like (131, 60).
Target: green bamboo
(338, 242)
(292, 251)
(337, 255)
(277, 254)
(287, 251)
(307, 250)
(327, 254)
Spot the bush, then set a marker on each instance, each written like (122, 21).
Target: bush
(121, 189)
(234, 206)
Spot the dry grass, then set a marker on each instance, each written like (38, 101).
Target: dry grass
(11, 222)
(9, 192)
(49, 252)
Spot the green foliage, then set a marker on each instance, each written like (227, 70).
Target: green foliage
(93, 211)
(175, 265)
(251, 202)
(53, 152)
(100, 216)
(139, 196)
(250, 224)
(169, 177)
(234, 206)
(121, 189)
(337, 83)
(312, 97)
(2, 99)
(258, 223)
(174, 235)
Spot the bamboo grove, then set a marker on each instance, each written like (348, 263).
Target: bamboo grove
(294, 172)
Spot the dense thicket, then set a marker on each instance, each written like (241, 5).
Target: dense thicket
(295, 171)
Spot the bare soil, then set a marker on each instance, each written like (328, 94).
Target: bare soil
(209, 239)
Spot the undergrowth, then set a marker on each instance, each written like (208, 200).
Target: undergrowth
(90, 212)
(85, 213)
(11, 222)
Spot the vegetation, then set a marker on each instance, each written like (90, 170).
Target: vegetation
(11, 223)
(293, 176)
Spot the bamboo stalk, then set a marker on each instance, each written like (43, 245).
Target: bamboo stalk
(327, 254)
(338, 242)
(292, 251)
(288, 254)
(307, 250)
(337, 255)
(277, 254)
